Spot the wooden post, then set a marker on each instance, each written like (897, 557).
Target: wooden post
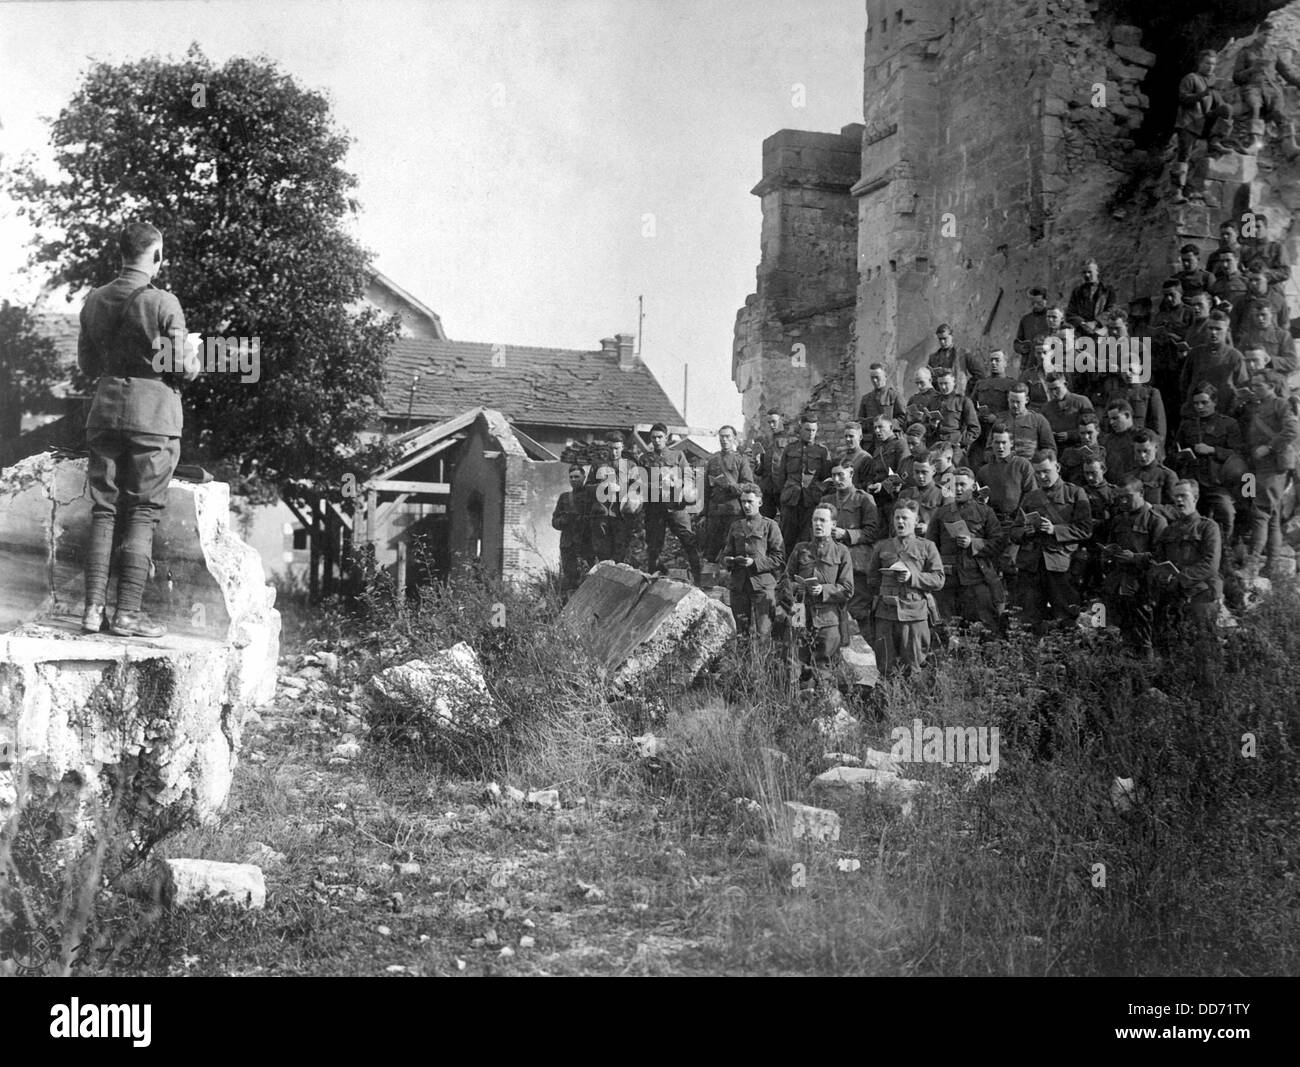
(401, 574)
(329, 530)
(313, 534)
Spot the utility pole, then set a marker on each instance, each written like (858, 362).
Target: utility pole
(686, 373)
(640, 321)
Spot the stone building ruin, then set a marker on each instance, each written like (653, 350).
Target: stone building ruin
(1001, 143)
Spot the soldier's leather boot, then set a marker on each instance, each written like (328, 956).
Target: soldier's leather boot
(1178, 175)
(135, 624)
(92, 619)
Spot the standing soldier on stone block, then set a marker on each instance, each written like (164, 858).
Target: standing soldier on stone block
(572, 517)
(754, 556)
(668, 483)
(887, 455)
(767, 463)
(857, 527)
(1203, 115)
(881, 399)
(1190, 591)
(969, 537)
(614, 483)
(903, 573)
(819, 583)
(134, 427)
(922, 403)
(805, 465)
(724, 474)
(1055, 520)
(963, 366)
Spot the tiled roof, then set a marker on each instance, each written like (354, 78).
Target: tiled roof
(536, 386)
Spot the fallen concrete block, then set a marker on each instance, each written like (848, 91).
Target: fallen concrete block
(206, 581)
(648, 633)
(816, 824)
(860, 661)
(446, 691)
(546, 799)
(884, 784)
(1231, 167)
(186, 883)
(837, 728)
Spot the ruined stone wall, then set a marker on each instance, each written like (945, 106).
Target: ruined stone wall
(999, 150)
(796, 330)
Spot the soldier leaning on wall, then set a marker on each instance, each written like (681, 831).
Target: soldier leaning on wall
(572, 517)
(1203, 115)
(134, 427)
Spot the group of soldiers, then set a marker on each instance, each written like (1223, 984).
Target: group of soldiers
(982, 491)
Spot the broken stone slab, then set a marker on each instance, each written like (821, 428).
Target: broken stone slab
(884, 784)
(647, 633)
(187, 883)
(837, 728)
(815, 824)
(546, 799)
(76, 708)
(206, 580)
(648, 746)
(859, 658)
(1134, 54)
(1231, 167)
(448, 690)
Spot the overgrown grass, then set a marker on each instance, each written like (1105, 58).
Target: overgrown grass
(1033, 873)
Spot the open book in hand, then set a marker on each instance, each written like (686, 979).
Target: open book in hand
(1032, 519)
(958, 528)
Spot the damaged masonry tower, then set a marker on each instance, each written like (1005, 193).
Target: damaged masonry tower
(84, 718)
(1000, 146)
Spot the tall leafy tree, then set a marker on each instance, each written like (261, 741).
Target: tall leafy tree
(29, 366)
(242, 170)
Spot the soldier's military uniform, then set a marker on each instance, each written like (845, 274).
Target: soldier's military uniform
(928, 501)
(666, 475)
(615, 500)
(1043, 585)
(831, 565)
(901, 613)
(958, 424)
(885, 401)
(1158, 483)
(856, 514)
(1270, 424)
(572, 517)
(1222, 366)
(989, 396)
(753, 589)
(767, 468)
(857, 461)
(1193, 546)
(1127, 589)
(1029, 433)
(1145, 400)
(1119, 453)
(133, 430)
(1218, 474)
(724, 474)
(803, 469)
(1086, 567)
(1008, 481)
(883, 469)
(1032, 327)
(972, 589)
(1063, 417)
(1073, 460)
(1089, 302)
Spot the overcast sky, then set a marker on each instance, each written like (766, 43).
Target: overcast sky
(510, 152)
